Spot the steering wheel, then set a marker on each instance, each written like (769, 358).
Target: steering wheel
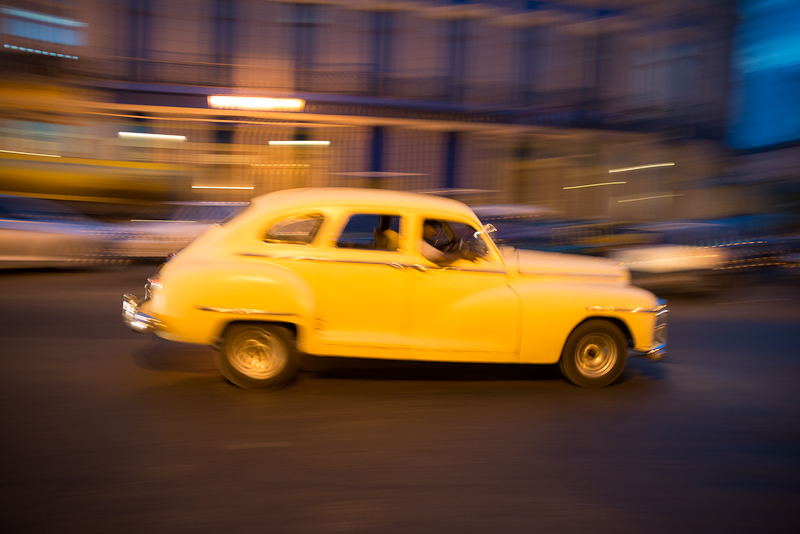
(453, 245)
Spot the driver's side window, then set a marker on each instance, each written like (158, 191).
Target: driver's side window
(469, 238)
(436, 233)
(445, 241)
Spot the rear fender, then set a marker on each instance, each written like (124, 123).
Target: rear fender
(197, 302)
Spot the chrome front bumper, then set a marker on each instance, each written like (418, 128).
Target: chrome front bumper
(660, 333)
(136, 320)
(657, 353)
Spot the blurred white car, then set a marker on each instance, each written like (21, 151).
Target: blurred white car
(180, 223)
(36, 233)
(665, 267)
(518, 225)
(682, 256)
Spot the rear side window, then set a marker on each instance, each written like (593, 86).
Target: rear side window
(297, 229)
(370, 231)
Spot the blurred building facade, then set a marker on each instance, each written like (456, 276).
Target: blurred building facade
(597, 109)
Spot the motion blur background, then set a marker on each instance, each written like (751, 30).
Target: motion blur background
(606, 116)
(662, 133)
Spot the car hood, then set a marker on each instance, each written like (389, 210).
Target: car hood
(537, 263)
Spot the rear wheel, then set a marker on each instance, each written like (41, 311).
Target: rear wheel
(258, 356)
(594, 355)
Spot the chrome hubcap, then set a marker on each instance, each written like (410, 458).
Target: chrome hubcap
(257, 354)
(597, 354)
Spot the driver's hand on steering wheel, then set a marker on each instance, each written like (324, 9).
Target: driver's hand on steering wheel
(470, 255)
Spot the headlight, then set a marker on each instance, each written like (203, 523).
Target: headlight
(153, 284)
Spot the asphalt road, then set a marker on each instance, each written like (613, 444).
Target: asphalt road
(104, 430)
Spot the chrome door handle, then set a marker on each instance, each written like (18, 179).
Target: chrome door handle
(396, 265)
(420, 268)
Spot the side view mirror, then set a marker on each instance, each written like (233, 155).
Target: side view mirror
(487, 229)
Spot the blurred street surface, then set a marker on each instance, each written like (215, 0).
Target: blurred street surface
(105, 430)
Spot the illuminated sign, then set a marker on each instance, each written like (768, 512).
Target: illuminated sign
(252, 103)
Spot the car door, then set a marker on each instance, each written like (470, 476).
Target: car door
(463, 310)
(364, 292)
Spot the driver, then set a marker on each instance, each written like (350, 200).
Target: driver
(434, 245)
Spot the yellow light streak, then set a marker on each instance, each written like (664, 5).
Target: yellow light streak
(139, 135)
(29, 154)
(650, 198)
(299, 143)
(594, 185)
(642, 167)
(280, 165)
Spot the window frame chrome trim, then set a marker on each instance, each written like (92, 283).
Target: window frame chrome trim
(393, 264)
(573, 275)
(243, 311)
(661, 309)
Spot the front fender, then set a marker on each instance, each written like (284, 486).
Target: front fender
(552, 310)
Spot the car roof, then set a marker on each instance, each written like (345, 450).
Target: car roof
(357, 197)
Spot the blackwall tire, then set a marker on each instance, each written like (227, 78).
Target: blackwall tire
(258, 356)
(594, 355)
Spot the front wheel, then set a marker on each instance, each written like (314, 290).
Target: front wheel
(594, 355)
(256, 356)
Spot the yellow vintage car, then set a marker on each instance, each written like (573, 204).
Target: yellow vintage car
(367, 273)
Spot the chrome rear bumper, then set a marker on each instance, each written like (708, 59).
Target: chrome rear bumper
(136, 320)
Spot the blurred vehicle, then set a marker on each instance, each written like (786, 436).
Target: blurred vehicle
(386, 274)
(708, 255)
(155, 236)
(540, 228)
(673, 268)
(759, 247)
(594, 238)
(517, 224)
(37, 233)
(676, 257)
(512, 212)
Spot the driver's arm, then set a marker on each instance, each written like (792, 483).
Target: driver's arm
(435, 255)
(432, 253)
